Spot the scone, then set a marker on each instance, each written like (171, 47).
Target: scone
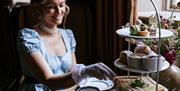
(142, 48)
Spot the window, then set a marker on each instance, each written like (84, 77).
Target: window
(171, 5)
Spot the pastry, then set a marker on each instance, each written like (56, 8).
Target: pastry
(144, 33)
(123, 56)
(134, 29)
(152, 30)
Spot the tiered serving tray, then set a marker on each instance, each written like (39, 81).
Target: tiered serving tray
(124, 32)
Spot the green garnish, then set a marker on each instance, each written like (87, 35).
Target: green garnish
(137, 83)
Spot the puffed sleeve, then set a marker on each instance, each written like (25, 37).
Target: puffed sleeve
(72, 40)
(28, 41)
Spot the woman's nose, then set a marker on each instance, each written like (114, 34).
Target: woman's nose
(59, 10)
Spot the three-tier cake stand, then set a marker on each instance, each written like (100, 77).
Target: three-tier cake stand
(124, 32)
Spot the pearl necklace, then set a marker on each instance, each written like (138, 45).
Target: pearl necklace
(48, 30)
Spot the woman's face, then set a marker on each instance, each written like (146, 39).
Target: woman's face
(54, 11)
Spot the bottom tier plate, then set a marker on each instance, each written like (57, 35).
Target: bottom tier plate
(123, 84)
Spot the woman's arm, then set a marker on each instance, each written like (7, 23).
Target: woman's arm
(43, 73)
(74, 62)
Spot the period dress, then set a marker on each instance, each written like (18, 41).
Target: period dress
(28, 41)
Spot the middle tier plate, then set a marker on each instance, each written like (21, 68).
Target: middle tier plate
(122, 66)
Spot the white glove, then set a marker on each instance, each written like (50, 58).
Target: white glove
(98, 70)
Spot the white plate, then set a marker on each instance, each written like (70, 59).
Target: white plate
(122, 66)
(124, 32)
(100, 84)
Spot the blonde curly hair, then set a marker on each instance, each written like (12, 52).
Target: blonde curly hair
(40, 6)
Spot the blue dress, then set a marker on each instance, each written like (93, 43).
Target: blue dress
(28, 41)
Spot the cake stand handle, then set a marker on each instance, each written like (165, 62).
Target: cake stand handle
(159, 43)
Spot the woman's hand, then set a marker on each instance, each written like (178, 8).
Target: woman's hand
(98, 70)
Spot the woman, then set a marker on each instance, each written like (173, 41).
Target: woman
(47, 52)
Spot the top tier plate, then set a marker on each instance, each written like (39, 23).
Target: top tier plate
(124, 32)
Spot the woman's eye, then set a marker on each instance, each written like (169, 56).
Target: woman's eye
(62, 5)
(50, 6)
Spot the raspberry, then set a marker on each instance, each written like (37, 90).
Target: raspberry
(170, 56)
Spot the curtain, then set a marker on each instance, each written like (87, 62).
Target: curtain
(134, 12)
(81, 21)
(110, 15)
(8, 56)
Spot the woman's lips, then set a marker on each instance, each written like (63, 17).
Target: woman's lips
(58, 18)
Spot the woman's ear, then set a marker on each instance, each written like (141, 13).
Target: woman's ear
(67, 9)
